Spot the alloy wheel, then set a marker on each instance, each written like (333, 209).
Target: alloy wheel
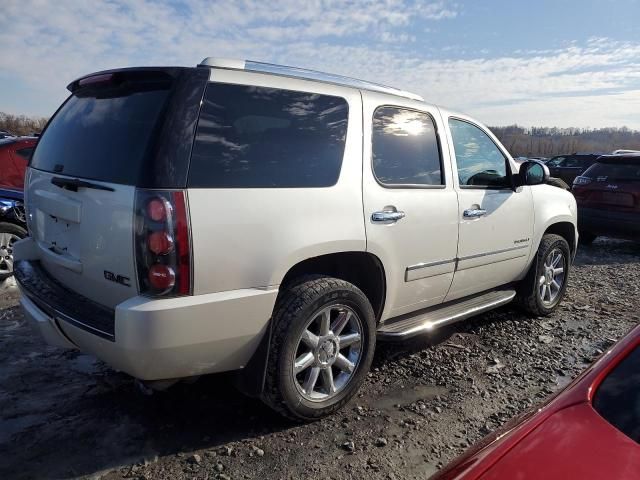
(552, 277)
(328, 353)
(6, 252)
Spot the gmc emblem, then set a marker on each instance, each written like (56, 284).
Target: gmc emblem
(121, 279)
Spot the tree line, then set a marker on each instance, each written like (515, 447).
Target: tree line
(550, 141)
(21, 124)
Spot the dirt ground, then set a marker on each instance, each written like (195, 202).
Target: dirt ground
(64, 414)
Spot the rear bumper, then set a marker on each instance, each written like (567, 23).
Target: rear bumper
(608, 222)
(168, 338)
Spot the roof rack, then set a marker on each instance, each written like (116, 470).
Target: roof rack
(261, 67)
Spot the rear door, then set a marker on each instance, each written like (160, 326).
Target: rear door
(410, 206)
(102, 143)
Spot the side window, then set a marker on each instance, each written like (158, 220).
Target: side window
(480, 162)
(25, 153)
(405, 148)
(257, 137)
(556, 162)
(574, 162)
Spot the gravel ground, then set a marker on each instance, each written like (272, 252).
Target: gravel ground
(64, 414)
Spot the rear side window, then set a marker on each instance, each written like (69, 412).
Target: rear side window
(103, 133)
(618, 397)
(257, 137)
(25, 153)
(405, 148)
(614, 171)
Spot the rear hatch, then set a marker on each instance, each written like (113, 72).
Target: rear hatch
(118, 131)
(611, 184)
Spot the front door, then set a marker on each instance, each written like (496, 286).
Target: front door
(495, 222)
(410, 205)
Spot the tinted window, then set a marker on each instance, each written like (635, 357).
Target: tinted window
(575, 162)
(265, 137)
(618, 397)
(556, 162)
(405, 148)
(614, 171)
(25, 152)
(480, 162)
(102, 134)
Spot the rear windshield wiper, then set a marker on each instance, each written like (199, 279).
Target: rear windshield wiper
(74, 183)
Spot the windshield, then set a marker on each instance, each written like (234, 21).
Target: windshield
(618, 397)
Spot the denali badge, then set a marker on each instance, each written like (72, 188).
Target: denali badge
(121, 279)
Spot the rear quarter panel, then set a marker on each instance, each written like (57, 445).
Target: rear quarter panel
(251, 237)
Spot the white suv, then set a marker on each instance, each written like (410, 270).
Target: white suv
(275, 221)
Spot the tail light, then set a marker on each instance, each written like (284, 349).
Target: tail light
(163, 243)
(581, 180)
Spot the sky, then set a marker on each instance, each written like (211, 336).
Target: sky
(566, 63)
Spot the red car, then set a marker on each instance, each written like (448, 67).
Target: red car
(608, 197)
(14, 156)
(590, 430)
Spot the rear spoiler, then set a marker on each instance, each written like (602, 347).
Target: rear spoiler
(115, 76)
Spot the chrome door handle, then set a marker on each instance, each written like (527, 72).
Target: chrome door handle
(474, 213)
(387, 216)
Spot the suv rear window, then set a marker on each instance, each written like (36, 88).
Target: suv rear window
(618, 397)
(614, 171)
(103, 133)
(265, 137)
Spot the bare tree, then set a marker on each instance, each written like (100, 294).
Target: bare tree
(21, 124)
(550, 141)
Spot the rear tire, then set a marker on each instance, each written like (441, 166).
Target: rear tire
(9, 234)
(322, 347)
(542, 290)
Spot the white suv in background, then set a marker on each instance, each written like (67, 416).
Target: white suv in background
(275, 221)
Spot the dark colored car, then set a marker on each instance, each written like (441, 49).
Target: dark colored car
(608, 198)
(568, 167)
(14, 156)
(590, 430)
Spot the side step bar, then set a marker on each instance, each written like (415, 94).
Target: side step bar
(422, 321)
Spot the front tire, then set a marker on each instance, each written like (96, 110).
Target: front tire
(322, 347)
(542, 290)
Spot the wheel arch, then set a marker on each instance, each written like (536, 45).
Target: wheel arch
(566, 230)
(362, 269)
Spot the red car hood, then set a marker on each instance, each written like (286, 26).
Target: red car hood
(575, 442)
(564, 439)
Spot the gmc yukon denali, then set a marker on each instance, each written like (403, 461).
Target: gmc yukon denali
(276, 222)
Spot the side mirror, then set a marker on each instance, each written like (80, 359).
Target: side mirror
(532, 172)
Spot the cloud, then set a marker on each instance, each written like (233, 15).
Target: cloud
(48, 44)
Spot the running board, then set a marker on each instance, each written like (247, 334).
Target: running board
(422, 321)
